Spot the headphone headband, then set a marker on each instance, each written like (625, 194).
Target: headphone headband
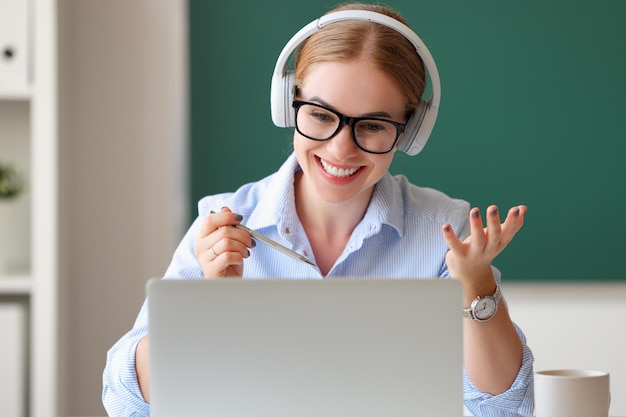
(422, 121)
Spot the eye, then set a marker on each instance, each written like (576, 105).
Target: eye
(373, 126)
(322, 116)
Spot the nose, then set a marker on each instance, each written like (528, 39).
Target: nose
(342, 144)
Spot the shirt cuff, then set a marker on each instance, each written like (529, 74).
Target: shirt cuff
(121, 395)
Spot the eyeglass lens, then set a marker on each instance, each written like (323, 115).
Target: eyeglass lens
(372, 135)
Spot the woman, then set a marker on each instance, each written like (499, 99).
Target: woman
(335, 202)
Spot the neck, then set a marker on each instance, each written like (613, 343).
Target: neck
(321, 218)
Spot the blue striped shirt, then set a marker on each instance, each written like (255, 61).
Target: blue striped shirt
(399, 237)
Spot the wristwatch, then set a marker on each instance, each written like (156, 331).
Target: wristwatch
(484, 308)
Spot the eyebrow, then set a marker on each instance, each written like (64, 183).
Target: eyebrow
(324, 103)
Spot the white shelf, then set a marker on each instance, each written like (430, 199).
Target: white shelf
(15, 92)
(15, 284)
(29, 138)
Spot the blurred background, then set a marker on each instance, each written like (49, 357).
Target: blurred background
(123, 174)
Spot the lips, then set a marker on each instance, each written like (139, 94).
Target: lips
(336, 171)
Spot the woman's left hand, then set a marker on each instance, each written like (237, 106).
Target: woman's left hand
(470, 260)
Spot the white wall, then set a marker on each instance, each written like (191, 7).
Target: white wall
(575, 326)
(123, 186)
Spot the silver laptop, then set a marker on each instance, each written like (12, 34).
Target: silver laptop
(306, 348)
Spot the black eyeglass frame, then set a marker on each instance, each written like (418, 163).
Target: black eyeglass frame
(351, 122)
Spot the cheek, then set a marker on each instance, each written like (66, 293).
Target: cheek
(383, 162)
(380, 167)
(301, 146)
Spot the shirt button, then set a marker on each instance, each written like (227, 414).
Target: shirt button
(288, 230)
(306, 253)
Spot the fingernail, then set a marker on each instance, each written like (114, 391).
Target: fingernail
(238, 217)
(211, 212)
(248, 253)
(446, 228)
(494, 211)
(253, 243)
(476, 213)
(516, 212)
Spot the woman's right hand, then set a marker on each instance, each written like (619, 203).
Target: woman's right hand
(221, 248)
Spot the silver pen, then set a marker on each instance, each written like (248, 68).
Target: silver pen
(275, 245)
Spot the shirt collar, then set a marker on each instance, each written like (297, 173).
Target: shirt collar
(386, 205)
(277, 205)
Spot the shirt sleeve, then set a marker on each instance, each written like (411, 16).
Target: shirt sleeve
(121, 395)
(517, 401)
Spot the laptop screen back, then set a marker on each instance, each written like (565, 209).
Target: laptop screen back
(305, 348)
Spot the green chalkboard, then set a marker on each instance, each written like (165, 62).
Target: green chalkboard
(533, 112)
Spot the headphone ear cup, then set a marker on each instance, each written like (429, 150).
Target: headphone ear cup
(418, 129)
(281, 99)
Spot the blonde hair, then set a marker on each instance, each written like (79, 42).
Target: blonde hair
(387, 49)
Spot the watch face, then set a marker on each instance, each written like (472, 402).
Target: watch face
(485, 308)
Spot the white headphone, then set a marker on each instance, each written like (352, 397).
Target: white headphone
(421, 123)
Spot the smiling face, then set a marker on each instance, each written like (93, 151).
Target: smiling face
(336, 171)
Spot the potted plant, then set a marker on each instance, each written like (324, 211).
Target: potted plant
(11, 182)
(12, 233)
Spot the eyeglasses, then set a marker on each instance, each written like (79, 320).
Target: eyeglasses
(371, 134)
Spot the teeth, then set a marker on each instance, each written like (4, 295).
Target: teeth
(337, 172)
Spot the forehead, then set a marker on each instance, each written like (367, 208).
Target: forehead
(353, 87)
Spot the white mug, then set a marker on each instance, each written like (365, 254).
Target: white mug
(572, 393)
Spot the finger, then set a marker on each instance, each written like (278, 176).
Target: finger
(212, 231)
(208, 225)
(212, 251)
(228, 238)
(224, 209)
(476, 229)
(213, 221)
(494, 229)
(226, 264)
(225, 246)
(235, 218)
(230, 218)
(452, 240)
(223, 258)
(513, 223)
(236, 233)
(206, 238)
